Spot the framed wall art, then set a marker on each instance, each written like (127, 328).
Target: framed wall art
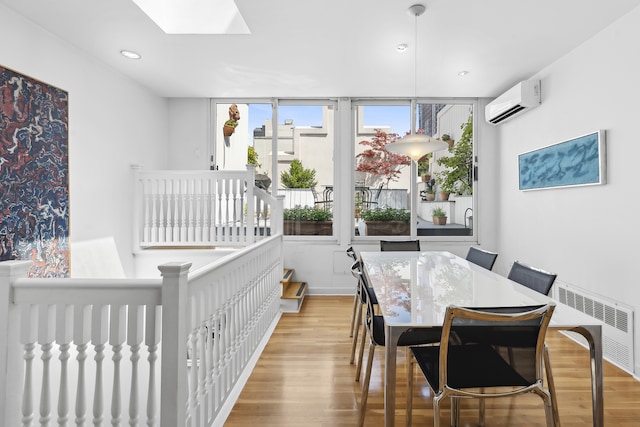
(575, 162)
(34, 171)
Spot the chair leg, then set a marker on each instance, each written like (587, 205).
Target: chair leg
(455, 411)
(361, 352)
(356, 301)
(410, 375)
(436, 411)
(552, 387)
(356, 329)
(481, 412)
(365, 386)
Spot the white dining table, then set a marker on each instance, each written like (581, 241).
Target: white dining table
(414, 289)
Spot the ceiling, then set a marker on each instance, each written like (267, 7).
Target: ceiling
(328, 48)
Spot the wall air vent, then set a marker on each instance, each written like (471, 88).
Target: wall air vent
(617, 318)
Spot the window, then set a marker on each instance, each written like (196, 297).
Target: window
(303, 163)
(385, 183)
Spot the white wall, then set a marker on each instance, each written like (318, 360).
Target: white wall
(113, 123)
(588, 235)
(189, 133)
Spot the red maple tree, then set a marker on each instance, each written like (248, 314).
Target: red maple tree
(377, 162)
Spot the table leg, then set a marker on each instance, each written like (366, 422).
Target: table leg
(391, 349)
(593, 334)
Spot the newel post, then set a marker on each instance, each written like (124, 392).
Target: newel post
(277, 213)
(9, 272)
(173, 386)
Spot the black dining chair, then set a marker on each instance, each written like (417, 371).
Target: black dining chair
(481, 257)
(400, 245)
(374, 325)
(532, 277)
(361, 289)
(351, 253)
(487, 353)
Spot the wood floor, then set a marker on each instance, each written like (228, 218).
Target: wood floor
(304, 378)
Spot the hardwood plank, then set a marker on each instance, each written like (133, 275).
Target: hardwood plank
(304, 378)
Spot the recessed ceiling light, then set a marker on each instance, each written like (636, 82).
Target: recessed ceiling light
(402, 47)
(130, 54)
(463, 73)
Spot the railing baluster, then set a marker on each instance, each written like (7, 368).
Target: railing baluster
(64, 331)
(183, 201)
(81, 336)
(152, 339)
(117, 326)
(46, 335)
(28, 339)
(99, 334)
(134, 339)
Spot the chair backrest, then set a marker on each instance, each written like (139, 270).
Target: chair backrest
(481, 257)
(352, 253)
(531, 277)
(378, 191)
(400, 245)
(516, 333)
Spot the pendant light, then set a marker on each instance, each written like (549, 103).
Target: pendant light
(414, 145)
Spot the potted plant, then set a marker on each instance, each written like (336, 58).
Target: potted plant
(439, 216)
(307, 221)
(423, 167)
(429, 194)
(386, 221)
(447, 138)
(444, 184)
(261, 180)
(230, 125)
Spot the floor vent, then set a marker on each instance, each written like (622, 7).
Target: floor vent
(617, 318)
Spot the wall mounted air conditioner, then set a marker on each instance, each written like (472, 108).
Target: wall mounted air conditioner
(520, 98)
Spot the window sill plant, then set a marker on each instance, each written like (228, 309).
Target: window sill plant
(386, 221)
(307, 221)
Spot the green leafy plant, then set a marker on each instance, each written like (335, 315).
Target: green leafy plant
(438, 212)
(458, 175)
(252, 157)
(298, 176)
(423, 164)
(306, 214)
(386, 214)
(446, 137)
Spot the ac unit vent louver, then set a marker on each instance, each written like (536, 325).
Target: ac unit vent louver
(520, 98)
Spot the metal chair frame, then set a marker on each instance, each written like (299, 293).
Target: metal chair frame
(495, 318)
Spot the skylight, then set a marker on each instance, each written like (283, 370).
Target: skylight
(195, 16)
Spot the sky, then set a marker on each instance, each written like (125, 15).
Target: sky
(374, 116)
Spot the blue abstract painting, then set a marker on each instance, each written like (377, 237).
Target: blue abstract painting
(578, 161)
(34, 174)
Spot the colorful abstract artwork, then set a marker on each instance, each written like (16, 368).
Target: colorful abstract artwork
(34, 174)
(578, 161)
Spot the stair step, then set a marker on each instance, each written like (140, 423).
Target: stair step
(293, 294)
(294, 290)
(287, 275)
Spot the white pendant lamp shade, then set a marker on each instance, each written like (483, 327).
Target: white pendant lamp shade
(416, 145)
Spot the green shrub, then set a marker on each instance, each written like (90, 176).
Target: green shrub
(386, 214)
(306, 214)
(438, 212)
(298, 176)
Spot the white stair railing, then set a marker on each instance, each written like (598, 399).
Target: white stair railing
(202, 209)
(149, 352)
